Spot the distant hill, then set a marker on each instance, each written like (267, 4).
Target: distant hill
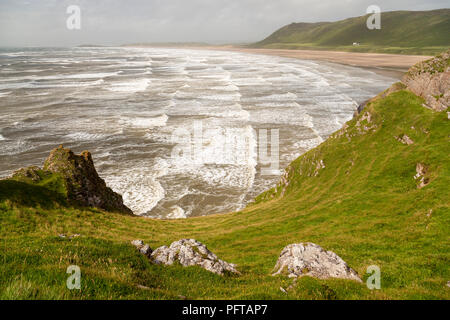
(414, 32)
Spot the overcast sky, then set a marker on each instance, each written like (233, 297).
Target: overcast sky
(114, 22)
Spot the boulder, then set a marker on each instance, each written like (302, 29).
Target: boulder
(187, 252)
(309, 259)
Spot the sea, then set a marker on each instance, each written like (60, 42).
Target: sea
(177, 132)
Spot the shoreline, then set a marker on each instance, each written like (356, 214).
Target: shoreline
(391, 65)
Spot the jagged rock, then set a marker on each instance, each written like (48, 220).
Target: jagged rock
(188, 252)
(364, 123)
(143, 248)
(421, 172)
(431, 80)
(31, 173)
(309, 259)
(405, 139)
(82, 181)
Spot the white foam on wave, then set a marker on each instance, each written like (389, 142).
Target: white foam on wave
(132, 86)
(2, 138)
(2, 94)
(177, 213)
(46, 85)
(145, 122)
(140, 189)
(222, 97)
(85, 136)
(230, 87)
(228, 158)
(308, 144)
(13, 147)
(280, 96)
(91, 75)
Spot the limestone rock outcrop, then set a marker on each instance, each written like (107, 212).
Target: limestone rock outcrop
(309, 259)
(82, 183)
(187, 252)
(431, 80)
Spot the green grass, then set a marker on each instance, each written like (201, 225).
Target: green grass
(364, 205)
(399, 34)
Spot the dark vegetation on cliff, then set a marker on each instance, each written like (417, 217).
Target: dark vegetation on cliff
(376, 193)
(408, 32)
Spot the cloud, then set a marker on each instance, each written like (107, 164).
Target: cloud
(43, 22)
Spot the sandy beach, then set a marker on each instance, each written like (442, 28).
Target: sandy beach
(393, 65)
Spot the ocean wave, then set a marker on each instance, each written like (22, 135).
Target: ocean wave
(131, 86)
(85, 136)
(177, 213)
(145, 122)
(139, 188)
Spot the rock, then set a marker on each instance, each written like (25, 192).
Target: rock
(319, 165)
(140, 286)
(405, 139)
(31, 173)
(143, 248)
(83, 184)
(365, 123)
(63, 236)
(431, 80)
(187, 252)
(421, 172)
(309, 259)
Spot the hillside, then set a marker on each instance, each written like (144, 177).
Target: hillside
(376, 193)
(409, 32)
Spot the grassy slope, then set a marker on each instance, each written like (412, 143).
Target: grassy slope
(369, 213)
(400, 33)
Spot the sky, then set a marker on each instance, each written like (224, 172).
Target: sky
(116, 22)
